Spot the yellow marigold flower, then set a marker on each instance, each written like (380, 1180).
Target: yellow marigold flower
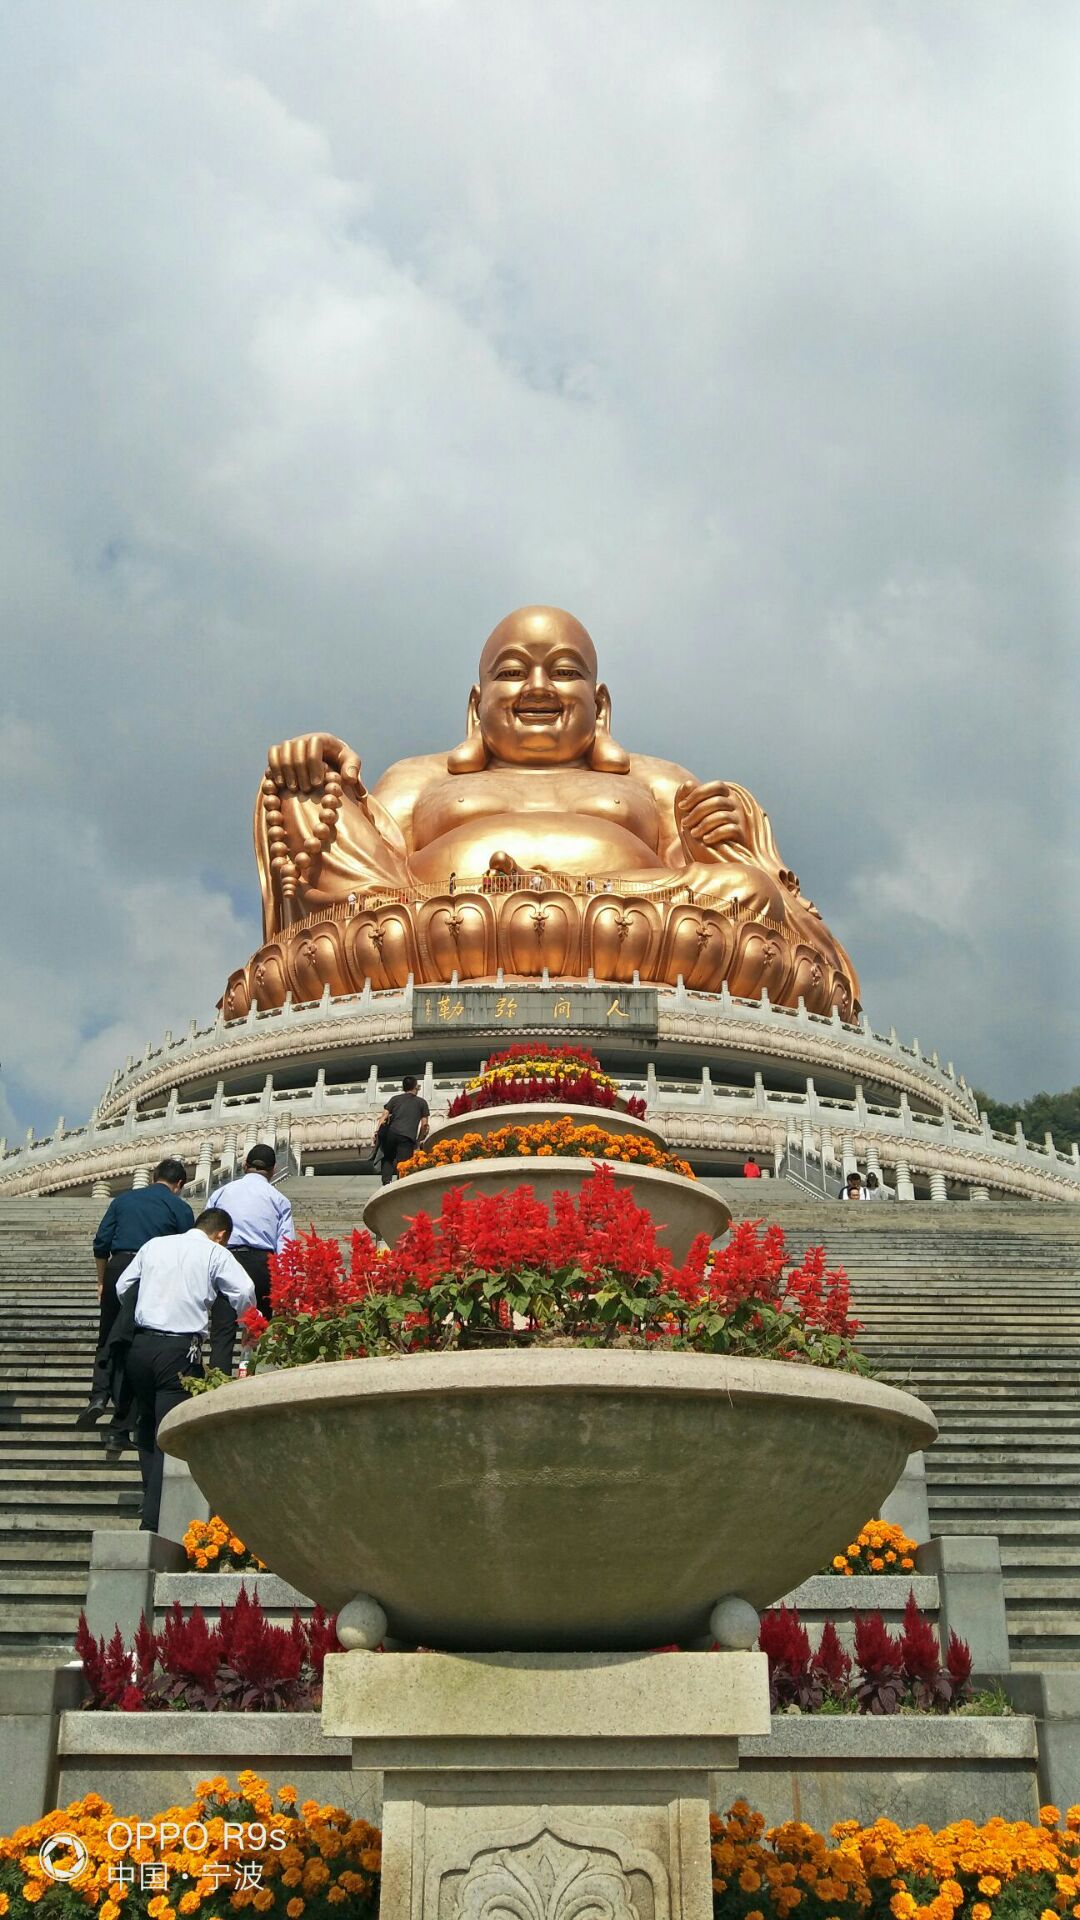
(988, 1884)
(33, 1891)
(156, 1907)
(839, 1562)
(1049, 1816)
(187, 1903)
(902, 1906)
(980, 1911)
(4, 1903)
(287, 1796)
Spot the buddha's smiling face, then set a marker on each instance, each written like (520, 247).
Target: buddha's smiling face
(538, 694)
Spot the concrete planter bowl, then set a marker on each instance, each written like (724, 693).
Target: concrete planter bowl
(552, 1499)
(680, 1208)
(490, 1119)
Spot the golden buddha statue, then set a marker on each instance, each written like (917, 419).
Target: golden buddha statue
(538, 843)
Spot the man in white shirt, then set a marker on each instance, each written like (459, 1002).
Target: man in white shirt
(179, 1277)
(262, 1224)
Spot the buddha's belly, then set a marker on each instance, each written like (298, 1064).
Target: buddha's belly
(578, 844)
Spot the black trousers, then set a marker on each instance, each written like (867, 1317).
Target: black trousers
(116, 1264)
(395, 1149)
(256, 1264)
(155, 1364)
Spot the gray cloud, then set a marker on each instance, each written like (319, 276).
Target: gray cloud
(332, 333)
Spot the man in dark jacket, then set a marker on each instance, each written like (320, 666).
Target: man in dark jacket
(129, 1221)
(402, 1123)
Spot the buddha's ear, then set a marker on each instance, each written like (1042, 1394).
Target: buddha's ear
(606, 755)
(472, 755)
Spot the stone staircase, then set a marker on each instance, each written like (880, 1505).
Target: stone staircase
(975, 1309)
(56, 1485)
(978, 1312)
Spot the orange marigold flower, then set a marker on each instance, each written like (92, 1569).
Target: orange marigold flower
(294, 1909)
(1049, 1816)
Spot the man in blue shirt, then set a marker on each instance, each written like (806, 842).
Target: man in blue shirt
(262, 1224)
(129, 1220)
(180, 1278)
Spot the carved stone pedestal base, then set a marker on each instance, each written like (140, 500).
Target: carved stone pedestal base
(546, 1784)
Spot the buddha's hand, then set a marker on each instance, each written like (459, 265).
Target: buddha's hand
(297, 766)
(707, 818)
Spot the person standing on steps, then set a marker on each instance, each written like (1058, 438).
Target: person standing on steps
(129, 1220)
(180, 1280)
(402, 1124)
(262, 1224)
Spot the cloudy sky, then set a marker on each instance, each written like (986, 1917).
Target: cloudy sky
(333, 329)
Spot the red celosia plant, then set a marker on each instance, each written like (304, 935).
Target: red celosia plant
(931, 1685)
(242, 1664)
(891, 1672)
(832, 1665)
(878, 1657)
(500, 1268)
(793, 1680)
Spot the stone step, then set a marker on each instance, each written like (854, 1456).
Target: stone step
(48, 1618)
(1020, 1556)
(31, 1587)
(47, 1551)
(1040, 1589)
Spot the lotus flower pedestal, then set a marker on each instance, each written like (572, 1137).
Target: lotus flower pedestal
(546, 1786)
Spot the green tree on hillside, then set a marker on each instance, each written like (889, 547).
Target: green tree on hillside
(1056, 1113)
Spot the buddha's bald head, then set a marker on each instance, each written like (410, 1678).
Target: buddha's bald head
(537, 701)
(539, 629)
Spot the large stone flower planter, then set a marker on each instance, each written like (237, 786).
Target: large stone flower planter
(681, 1208)
(490, 1119)
(547, 1498)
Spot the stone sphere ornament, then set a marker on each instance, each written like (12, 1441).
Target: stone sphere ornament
(361, 1624)
(734, 1624)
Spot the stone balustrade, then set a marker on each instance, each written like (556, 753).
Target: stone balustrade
(705, 1020)
(700, 1118)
